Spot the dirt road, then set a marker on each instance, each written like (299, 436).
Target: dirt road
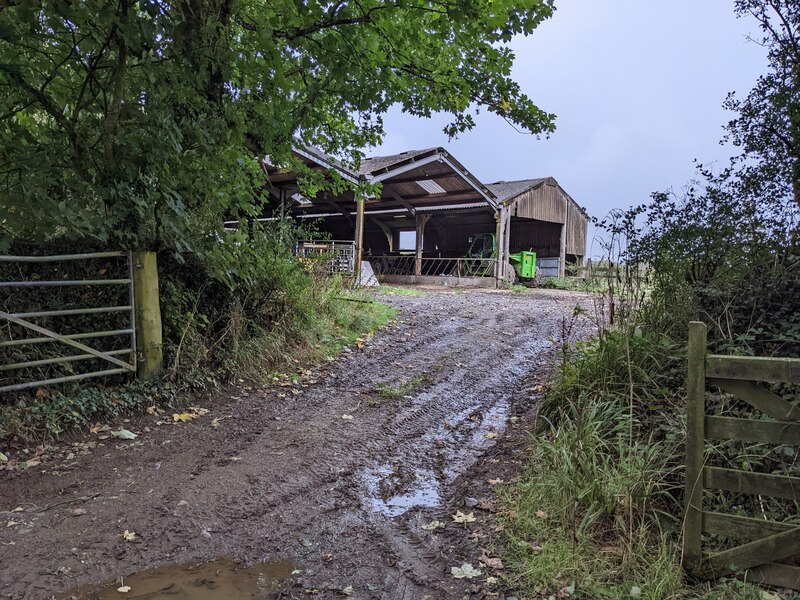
(331, 477)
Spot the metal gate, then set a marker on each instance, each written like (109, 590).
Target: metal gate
(44, 335)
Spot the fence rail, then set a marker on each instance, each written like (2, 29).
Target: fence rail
(384, 265)
(340, 255)
(767, 544)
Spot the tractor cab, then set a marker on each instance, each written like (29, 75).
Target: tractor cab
(482, 246)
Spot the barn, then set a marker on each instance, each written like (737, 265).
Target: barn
(429, 210)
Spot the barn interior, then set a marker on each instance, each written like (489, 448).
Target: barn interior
(429, 210)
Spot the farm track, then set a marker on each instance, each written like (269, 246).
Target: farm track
(284, 477)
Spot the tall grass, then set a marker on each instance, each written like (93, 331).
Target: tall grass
(597, 512)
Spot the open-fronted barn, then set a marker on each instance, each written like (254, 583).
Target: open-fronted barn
(429, 215)
(544, 218)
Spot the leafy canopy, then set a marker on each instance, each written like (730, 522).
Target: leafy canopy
(144, 123)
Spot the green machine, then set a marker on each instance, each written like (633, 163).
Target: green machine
(484, 246)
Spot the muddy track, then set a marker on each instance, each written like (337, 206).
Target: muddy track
(286, 477)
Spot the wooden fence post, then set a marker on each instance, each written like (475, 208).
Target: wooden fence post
(149, 346)
(695, 441)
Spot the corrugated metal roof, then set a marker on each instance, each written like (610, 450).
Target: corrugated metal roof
(508, 189)
(376, 163)
(452, 206)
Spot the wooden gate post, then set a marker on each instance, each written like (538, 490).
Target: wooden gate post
(695, 436)
(149, 346)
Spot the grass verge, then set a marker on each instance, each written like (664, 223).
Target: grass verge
(596, 512)
(391, 290)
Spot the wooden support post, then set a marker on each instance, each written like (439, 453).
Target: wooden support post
(422, 220)
(507, 238)
(499, 245)
(359, 236)
(695, 441)
(562, 248)
(149, 346)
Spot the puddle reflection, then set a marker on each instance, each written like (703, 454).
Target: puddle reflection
(219, 580)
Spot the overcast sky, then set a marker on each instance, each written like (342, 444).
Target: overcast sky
(637, 87)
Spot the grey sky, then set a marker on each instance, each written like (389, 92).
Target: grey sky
(637, 86)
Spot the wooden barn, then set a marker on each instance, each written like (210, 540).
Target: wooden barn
(429, 211)
(543, 218)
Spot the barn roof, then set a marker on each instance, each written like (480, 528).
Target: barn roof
(508, 189)
(373, 164)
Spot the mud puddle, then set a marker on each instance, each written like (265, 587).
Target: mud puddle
(219, 580)
(392, 491)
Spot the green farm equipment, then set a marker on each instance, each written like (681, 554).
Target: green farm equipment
(484, 246)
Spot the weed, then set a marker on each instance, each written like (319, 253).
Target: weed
(405, 388)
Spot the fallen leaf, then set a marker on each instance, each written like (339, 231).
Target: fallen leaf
(465, 571)
(12, 522)
(347, 417)
(183, 417)
(495, 481)
(348, 590)
(541, 514)
(129, 535)
(18, 509)
(491, 580)
(3, 457)
(42, 393)
(215, 422)
(124, 589)
(490, 435)
(460, 517)
(492, 563)
(433, 525)
(124, 434)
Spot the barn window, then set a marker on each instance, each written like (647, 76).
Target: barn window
(408, 240)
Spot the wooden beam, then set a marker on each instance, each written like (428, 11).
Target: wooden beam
(695, 444)
(755, 368)
(742, 528)
(148, 315)
(401, 180)
(746, 482)
(782, 576)
(338, 207)
(771, 548)
(762, 399)
(386, 231)
(422, 220)
(562, 252)
(395, 196)
(359, 237)
(748, 430)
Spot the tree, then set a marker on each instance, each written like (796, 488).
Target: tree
(767, 122)
(142, 123)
